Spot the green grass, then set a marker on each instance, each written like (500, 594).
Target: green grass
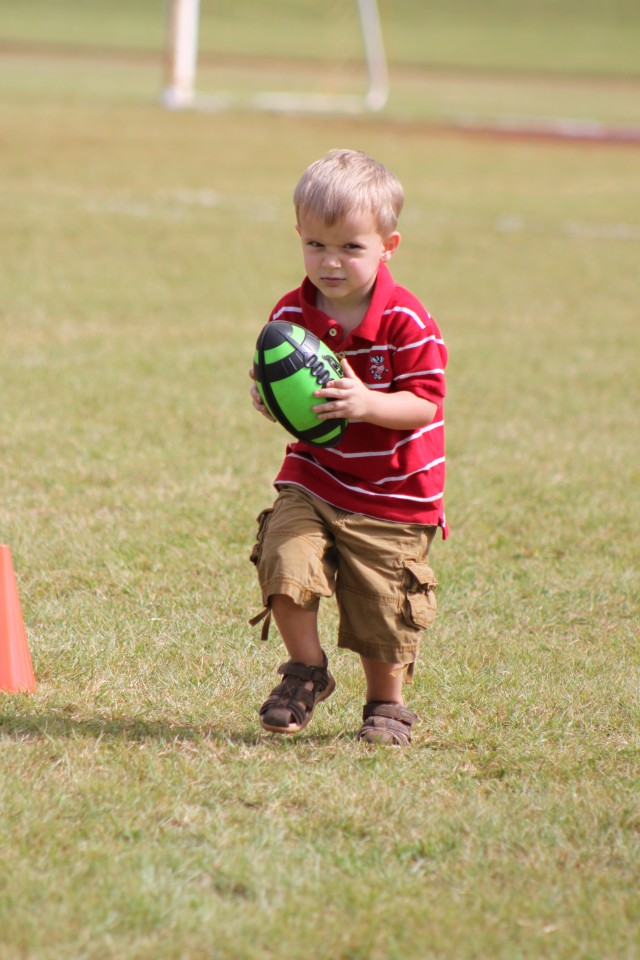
(146, 815)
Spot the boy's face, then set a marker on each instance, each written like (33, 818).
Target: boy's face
(342, 260)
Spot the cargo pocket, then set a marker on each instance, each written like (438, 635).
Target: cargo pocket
(263, 520)
(419, 605)
(256, 554)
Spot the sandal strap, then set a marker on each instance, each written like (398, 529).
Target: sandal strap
(387, 723)
(298, 701)
(394, 712)
(303, 671)
(399, 732)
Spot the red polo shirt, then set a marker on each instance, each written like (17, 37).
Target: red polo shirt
(395, 475)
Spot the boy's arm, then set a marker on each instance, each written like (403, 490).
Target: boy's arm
(351, 399)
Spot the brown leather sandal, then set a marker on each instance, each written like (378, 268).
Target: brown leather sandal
(388, 723)
(289, 707)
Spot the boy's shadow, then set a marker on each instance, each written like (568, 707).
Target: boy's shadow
(137, 729)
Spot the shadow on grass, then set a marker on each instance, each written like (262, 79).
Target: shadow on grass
(136, 729)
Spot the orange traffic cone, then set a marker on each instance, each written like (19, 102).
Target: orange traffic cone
(16, 672)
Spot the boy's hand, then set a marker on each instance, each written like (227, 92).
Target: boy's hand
(347, 399)
(351, 399)
(256, 399)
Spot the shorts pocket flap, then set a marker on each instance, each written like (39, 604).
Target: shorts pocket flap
(262, 520)
(420, 607)
(422, 572)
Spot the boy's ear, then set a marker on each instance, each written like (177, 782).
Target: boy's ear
(298, 231)
(389, 246)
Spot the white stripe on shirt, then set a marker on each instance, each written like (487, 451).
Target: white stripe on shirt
(367, 493)
(405, 476)
(420, 343)
(418, 373)
(286, 310)
(410, 313)
(386, 453)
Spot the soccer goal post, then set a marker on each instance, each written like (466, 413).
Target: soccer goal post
(180, 90)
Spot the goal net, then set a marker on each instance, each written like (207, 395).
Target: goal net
(285, 55)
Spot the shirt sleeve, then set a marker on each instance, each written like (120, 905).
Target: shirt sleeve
(420, 360)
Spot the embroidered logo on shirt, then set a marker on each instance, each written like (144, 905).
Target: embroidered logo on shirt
(377, 368)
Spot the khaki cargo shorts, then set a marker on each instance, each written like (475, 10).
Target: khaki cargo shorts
(377, 569)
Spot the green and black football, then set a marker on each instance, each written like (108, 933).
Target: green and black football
(290, 364)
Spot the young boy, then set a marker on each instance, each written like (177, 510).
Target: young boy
(357, 519)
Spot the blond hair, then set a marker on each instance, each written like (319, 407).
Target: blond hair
(347, 181)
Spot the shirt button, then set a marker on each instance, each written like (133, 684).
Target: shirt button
(333, 332)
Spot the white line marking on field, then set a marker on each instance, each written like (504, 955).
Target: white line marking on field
(172, 204)
(571, 228)
(601, 231)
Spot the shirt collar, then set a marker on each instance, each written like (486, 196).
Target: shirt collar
(367, 329)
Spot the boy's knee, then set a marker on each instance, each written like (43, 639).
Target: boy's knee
(296, 600)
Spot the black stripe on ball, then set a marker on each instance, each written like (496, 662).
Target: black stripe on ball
(285, 367)
(314, 434)
(272, 403)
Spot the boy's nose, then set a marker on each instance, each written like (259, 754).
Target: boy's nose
(331, 259)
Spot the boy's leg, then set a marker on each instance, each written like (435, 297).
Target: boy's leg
(306, 678)
(384, 680)
(299, 630)
(296, 568)
(385, 717)
(385, 596)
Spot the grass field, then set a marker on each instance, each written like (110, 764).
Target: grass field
(576, 36)
(527, 63)
(146, 814)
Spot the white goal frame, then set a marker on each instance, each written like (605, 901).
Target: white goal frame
(181, 69)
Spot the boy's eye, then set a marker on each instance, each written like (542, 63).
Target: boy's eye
(352, 246)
